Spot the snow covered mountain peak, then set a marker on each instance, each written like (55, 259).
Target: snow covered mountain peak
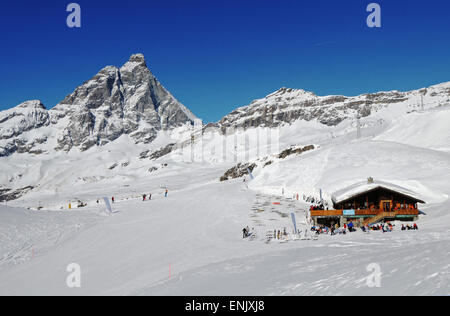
(291, 91)
(137, 59)
(287, 94)
(116, 101)
(24, 117)
(32, 104)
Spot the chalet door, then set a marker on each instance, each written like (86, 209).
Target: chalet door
(386, 206)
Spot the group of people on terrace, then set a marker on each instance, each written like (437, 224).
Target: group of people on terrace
(350, 227)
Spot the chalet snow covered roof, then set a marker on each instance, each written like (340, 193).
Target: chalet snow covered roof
(366, 186)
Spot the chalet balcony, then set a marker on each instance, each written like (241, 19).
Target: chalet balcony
(366, 212)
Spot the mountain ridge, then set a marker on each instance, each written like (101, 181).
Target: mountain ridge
(287, 105)
(116, 101)
(129, 100)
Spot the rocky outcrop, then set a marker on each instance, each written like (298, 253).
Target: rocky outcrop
(296, 151)
(238, 171)
(10, 194)
(241, 169)
(162, 152)
(158, 153)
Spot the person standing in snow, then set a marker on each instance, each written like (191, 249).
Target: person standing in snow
(244, 233)
(350, 227)
(167, 192)
(112, 199)
(150, 197)
(144, 197)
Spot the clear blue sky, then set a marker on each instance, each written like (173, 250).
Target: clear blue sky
(217, 55)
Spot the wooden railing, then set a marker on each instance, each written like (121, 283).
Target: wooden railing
(407, 212)
(366, 212)
(327, 213)
(369, 212)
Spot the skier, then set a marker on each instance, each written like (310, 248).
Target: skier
(112, 199)
(167, 192)
(244, 233)
(144, 197)
(150, 197)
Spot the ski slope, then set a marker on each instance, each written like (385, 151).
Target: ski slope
(190, 243)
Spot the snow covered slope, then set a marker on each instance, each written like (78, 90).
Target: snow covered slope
(190, 243)
(429, 129)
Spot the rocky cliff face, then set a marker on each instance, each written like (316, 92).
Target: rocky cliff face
(116, 101)
(288, 105)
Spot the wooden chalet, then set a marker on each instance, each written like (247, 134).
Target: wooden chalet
(369, 202)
